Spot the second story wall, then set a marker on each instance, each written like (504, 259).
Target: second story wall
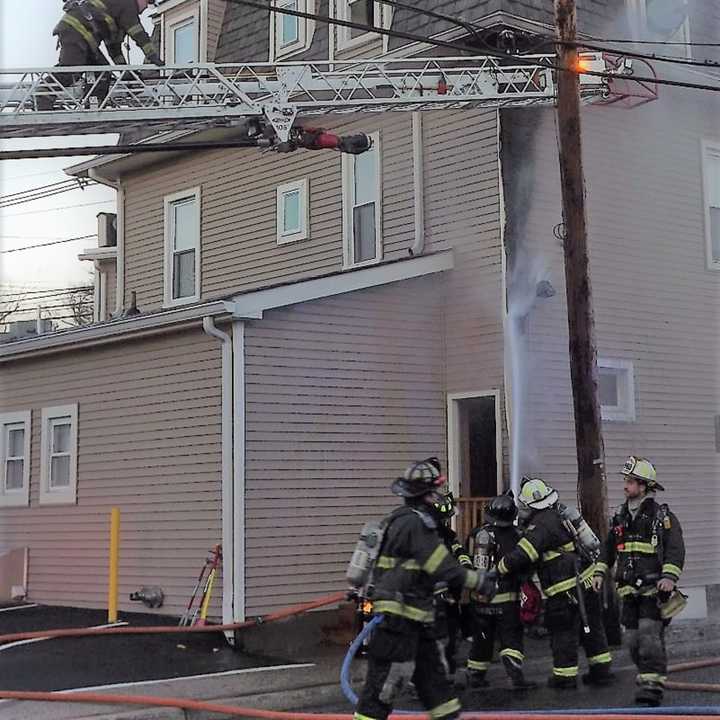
(237, 195)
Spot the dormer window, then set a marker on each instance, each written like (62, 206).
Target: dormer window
(662, 21)
(183, 26)
(362, 12)
(290, 34)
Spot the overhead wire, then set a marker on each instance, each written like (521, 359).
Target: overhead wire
(47, 244)
(49, 292)
(43, 192)
(53, 209)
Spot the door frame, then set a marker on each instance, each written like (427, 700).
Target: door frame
(453, 436)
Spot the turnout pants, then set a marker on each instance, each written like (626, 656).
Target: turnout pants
(646, 641)
(595, 642)
(397, 652)
(501, 621)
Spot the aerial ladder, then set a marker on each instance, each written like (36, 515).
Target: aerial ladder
(266, 100)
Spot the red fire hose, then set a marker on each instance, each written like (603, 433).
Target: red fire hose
(165, 629)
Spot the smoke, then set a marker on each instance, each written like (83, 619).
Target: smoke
(529, 282)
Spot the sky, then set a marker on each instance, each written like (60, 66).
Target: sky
(26, 41)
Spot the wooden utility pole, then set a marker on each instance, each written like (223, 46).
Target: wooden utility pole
(592, 490)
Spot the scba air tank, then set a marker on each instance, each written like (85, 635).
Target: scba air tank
(586, 540)
(365, 554)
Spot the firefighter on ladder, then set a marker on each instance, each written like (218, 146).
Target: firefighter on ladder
(548, 545)
(646, 541)
(413, 558)
(85, 25)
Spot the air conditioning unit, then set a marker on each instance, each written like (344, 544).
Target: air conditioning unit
(107, 229)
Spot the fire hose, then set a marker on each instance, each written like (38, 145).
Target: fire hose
(165, 629)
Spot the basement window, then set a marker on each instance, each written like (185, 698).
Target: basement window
(15, 459)
(616, 390)
(58, 481)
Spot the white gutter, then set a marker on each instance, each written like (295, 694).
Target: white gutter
(239, 470)
(227, 465)
(418, 244)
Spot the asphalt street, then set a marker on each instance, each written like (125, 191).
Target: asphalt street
(500, 697)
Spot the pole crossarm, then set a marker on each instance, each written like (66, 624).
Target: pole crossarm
(92, 99)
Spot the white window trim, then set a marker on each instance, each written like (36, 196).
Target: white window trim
(342, 12)
(625, 412)
(21, 497)
(306, 32)
(348, 187)
(58, 496)
(639, 27)
(709, 149)
(302, 187)
(169, 301)
(194, 11)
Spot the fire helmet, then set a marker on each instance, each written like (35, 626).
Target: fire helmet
(419, 479)
(536, 493)
(501, 511)
(445, 507)
(643, 471)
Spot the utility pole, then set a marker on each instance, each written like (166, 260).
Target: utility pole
(592, 490)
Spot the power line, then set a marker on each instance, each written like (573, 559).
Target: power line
(40, 245)
(50, 291)
(462, 47)
(45, 191)
(53, 209)
(653, 42)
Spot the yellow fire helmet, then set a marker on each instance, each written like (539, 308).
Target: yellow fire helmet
(643, 470)
(537, 494)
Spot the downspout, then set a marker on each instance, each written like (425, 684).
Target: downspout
(418, 245)
(120, 213)
(239, 602)
(227, 463)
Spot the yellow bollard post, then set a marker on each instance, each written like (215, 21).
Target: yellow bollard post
(113, 566)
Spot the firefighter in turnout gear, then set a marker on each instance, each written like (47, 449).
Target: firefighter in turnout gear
(646, 542)
(499, 616)
(86, 24)
(548, 545)
(411, 561)
(449, 625)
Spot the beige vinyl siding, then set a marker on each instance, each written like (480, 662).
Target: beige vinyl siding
(148, 443)
(655, 304)
(341, 394)
(238, 220)
(216, 13)
(462, 211)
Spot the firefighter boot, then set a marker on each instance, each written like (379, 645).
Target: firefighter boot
(562, 683)
(599, 675)
(476, 679)
(650, 694)
(514, 670)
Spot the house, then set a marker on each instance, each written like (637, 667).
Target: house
(310, 323)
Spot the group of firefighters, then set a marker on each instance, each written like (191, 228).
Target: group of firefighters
(421, 575)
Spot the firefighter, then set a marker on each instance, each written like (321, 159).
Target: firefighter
(500, 616)
(412, 559)
(450, 610)
(548, 545)
(85, 25)
(646, 542)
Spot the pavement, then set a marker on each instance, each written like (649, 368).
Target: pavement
(308, 680)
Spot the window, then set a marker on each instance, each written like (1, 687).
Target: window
(711, 188)
(363, 12)
(662, 20)
(617, 390)
(362, 206)
(182, 41)
(59, 455)
(15, 457)
(182, 247)
(292, 212)
(289, 33)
